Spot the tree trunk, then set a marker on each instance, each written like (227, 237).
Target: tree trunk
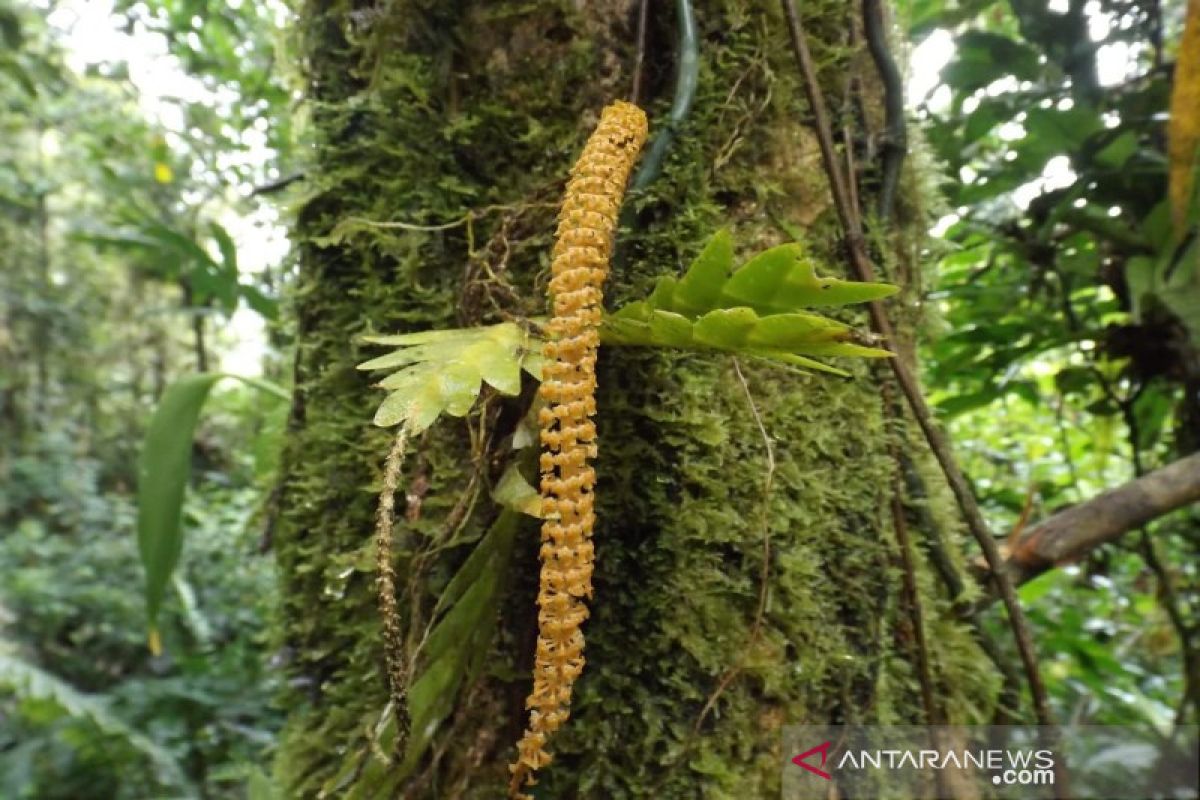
(431, 113)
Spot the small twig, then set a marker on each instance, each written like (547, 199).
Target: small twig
(389, 612)
(1168, 598)
(852, 226)
(763, 588)
(924, 674)
(466, 219)
(277, 185)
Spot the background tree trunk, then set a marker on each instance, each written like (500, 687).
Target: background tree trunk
(421, 111)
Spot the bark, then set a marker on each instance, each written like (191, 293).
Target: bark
(421, 112)
(1071, 534)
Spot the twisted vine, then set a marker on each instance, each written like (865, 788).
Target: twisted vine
(587, 224)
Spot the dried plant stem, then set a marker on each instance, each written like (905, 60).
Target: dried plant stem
(385, 584)
(852, 227)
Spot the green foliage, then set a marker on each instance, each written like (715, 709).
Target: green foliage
(109, 209)
(1064, 336)
(172, 255)
(751, 312)
(443, 371)
(452, 652)
(164, 471)
(206, 707)
(31, 684)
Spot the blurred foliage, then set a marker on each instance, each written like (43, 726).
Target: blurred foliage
(117, 274)
(1062, 349)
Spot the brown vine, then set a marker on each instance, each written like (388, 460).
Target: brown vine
(587, 224)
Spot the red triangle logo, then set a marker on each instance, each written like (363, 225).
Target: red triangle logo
(823, 749)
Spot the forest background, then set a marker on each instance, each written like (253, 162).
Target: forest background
(151, 155)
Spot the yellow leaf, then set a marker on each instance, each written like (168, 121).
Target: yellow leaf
(154, 642)
(1184, 131)
(162, 173)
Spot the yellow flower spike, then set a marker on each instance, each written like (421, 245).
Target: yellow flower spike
(587, 224)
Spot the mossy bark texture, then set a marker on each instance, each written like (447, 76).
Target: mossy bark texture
(471, 113)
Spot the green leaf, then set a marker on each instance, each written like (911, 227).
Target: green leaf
(31, 682)
(226, 246)
(164, 469)
(781, 337)
(1118, 151)
(784, 278)
(163, 473)
(443, 371)
(700, 288)
(515, 492)
(670, 329)
(726, 328)
(798, 361)
(459, 641)
(791, 331)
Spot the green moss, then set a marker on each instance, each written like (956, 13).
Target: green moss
(420, 112)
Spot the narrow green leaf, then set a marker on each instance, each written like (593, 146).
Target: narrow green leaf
(638, 311)
(784, 279)
(798, 329)
(798, 361)
(438, 350)
(616, 330)
(164, 469)
(226, 246)
(758, 281)
(663, 295)
(498, 538)
(462, 637)
(845, 349)
(463, 617)
(426, 337)
(403, 378)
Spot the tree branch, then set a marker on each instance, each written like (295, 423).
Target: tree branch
(864, 271)
(1071, 534)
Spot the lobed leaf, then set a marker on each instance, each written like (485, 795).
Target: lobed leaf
(755, 310)
(443, 371)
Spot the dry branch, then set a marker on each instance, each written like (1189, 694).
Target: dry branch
(1073, 533)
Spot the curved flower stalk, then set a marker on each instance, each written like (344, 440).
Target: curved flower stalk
(587, 223)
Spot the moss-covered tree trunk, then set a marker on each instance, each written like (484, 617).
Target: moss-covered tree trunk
(466, 117)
